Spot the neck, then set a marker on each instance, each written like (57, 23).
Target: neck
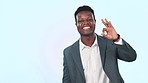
(88, 40)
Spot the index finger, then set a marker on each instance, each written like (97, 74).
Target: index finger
(105, 22)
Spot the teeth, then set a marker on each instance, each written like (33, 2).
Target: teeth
(86, 27)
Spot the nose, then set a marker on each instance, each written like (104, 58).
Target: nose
(86, 22)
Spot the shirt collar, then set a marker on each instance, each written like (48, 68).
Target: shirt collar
(82, 46)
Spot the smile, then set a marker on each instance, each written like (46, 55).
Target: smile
(86, 28)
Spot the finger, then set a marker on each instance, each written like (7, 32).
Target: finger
(106, 20)
(107, 23)
(110, 23)
(104, 31)
(103, 21)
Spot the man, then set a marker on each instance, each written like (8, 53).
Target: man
(93, 58)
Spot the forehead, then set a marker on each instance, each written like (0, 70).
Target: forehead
(84, 14)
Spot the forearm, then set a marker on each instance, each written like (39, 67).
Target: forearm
(126, 52)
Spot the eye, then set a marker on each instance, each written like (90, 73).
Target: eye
(80, 21)
(90, 20)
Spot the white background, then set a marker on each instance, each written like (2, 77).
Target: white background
(33, 34)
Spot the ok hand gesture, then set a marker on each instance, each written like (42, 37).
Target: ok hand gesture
(109, 32)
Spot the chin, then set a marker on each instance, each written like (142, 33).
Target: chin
(88, 34)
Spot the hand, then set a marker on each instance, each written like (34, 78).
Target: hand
(109, 32)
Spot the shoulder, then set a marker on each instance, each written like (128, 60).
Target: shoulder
(71, 47)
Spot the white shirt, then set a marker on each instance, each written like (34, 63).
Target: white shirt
(92, 64)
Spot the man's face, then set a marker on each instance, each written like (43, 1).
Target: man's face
(85, 23)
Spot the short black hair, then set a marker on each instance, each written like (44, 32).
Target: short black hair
(84, 8)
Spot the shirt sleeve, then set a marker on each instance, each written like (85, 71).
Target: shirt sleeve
(120, 42)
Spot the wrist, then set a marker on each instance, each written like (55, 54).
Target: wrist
(117, 39)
